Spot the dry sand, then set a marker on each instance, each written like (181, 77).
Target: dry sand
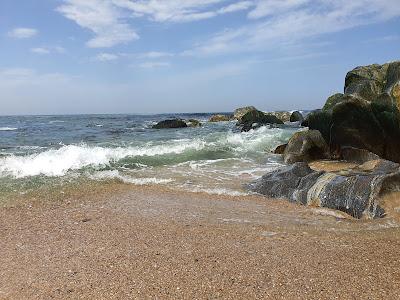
(127, 242)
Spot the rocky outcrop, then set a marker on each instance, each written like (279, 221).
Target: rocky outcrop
(367, 115)
(240, 112)
(306, 146)
(332, 101)
(296, 116)
(355, 191)
(256, 118)
(220, 118)
(171, 123)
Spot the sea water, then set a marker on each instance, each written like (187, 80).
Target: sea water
(37, 151)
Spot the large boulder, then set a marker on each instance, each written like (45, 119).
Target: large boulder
(356, 191)
(367, 115)
(171, 123)
(332, 101)
(375, 83)
(296, 116)
(220, 118)
(240, 112)
(306, 146)
(256, 119)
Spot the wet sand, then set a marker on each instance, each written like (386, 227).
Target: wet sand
(146, 242)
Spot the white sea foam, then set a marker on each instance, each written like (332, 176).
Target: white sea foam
(218, 191)
(106, 175)
(57, 162)
(8, 128)
(256, 140)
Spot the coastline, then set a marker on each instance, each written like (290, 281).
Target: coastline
(122, 241)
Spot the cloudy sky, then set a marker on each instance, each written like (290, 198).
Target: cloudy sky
(152, 56)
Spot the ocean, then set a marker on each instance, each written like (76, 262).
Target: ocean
(53, 151)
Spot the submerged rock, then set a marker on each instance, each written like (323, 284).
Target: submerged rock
(220, 118)
(306, 146)
(171, 123)
(355, 191)
(296, 116)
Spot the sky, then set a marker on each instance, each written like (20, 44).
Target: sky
(158, 56)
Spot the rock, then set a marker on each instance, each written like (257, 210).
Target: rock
(375, 83)
(280, 149)
(332, 101)
(240, 112)
(250, 126)
(193, 123)
(220, 118)
(320, 120)
(305, 146)
(284, 116)
(367, 115)
(172, 123)
(296, 116)
(257, 117)
(354, 124)
(356, 191)
(355, 155)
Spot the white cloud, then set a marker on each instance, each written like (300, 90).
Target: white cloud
(155, 54)
(234, 7)
(23, 33)
(106, 57)
(102, 18)
(154, 64)
(48, 50)
(271, 7)
(108, 19)
(291, 21)
(181, 10)
(40, 50)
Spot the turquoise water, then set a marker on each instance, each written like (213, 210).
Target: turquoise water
(36, 151)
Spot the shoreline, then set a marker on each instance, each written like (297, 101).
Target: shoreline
(135, 241)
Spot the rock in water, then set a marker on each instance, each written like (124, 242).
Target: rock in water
(280, 149)
(240, 112)
(284, 116)
(220, 118)
(296, 116)
(356, 191)
(256, 118)
(172, 123)
(306, 146)
(193, 123)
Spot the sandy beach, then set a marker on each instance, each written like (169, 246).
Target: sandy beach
(126, 242)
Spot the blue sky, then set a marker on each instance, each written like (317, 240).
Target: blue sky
(153, 56)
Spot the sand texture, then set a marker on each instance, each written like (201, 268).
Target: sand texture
(149, 243)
